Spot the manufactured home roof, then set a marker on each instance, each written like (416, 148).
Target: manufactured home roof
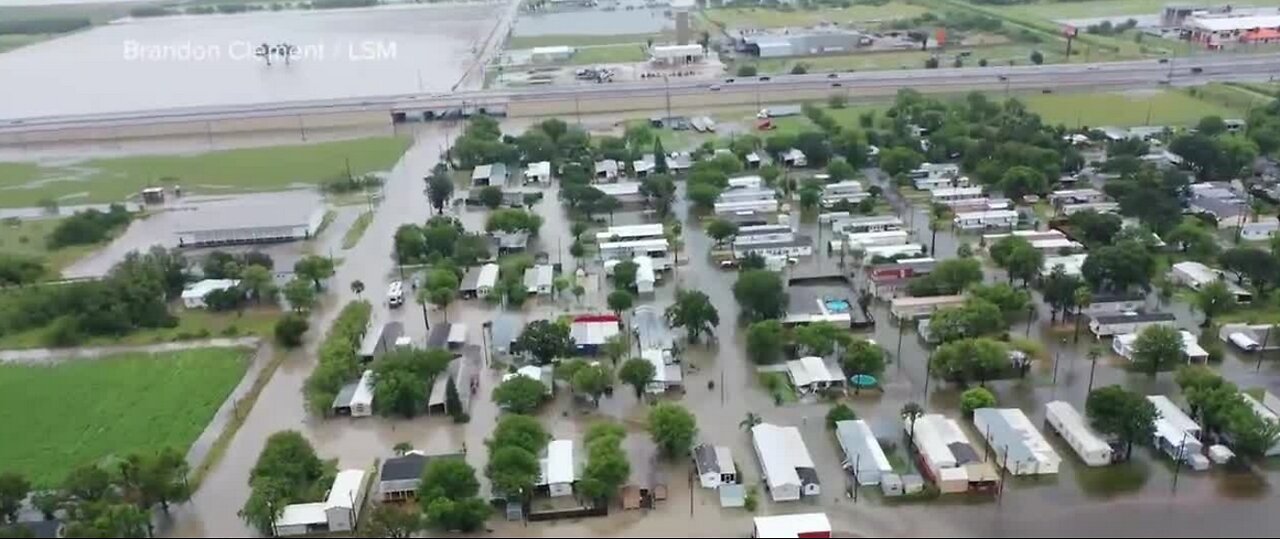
(1172, 415)
(781, 451)
(1009, 427)
(650, 327)
(1072, 420)
(627, 232)
(345, 490)
(1126, 318)
(558, 467)
(860, 446)
(788, 526)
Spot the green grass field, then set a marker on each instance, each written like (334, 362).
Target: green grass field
(913, 59)
(773, 18)
(1102, 8)
(78, 412)
(609, 54)
(229, 171)
(192, 324)
(1165, 107)
(571, 40)
(28, 238)
(353, 234)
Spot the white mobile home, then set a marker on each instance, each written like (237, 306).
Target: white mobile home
(798, 245)
(1266, 414)
(1099, 207)
(338, 513)
(645, 276)
(355, 399)
(1122, 345)
(487, 280)
(947, 457)
(538, 279)
(627, 250)
(1176, 434)
(912, 308)
(746, 182)
(873, 239)
(1262, 229)
(862, 225)
(738, 206)
(940, 182)
(631, 233)
(983, 220)
(715, 466)
(955, 194)
(811, 374)
(559, 469)
(1067, 422)
(785, 463)
(1017, 446)
(862, 452)
(796, 525)
(1071, 265)
(1128, 322)
(1115, 303)
(848, 191)
(1195, 275)
(1076, 196)
(910, 250)
(739, 195)
(538, 172)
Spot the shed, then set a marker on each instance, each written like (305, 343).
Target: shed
(193, 295)
(715, 465)
(862, 452)
(538, 172)
(355, 399)
(559, 470)
(606, 169)
(1067, 422)
(538, 279)
(1017, 445)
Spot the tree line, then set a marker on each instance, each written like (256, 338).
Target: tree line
(338, 364)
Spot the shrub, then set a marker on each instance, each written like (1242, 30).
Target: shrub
(975, 398)
(290, 328)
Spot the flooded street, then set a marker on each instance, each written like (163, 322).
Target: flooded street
(209, 60)
(1079, 501)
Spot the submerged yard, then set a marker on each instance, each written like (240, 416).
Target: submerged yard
(77, 412)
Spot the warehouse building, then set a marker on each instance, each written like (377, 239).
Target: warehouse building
(246, 222)
(811, 43)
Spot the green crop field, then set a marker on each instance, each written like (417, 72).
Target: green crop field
(229, 171)
(78, 412)
(1167, 107)
(774, 18)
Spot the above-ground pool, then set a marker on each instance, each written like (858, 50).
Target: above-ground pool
(836, 306)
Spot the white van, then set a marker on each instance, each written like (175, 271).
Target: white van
(395, 294)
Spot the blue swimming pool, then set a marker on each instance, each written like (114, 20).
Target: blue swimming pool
(836, 306)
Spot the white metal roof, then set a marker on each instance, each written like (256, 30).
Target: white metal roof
(1173, 416)
(345, 491)
(669, 51)
(1071, 420)
(1225, 24)
(810, 369)
(926, 300)
(488, 276)
(1009, 427)
(657, 243)
(559, 463)
(781, 451)
(932, 436)
(788, 526)
(302, 514)
(553, 49)
(481, 172)
(199, 290)
(364, 390)
(984, 215)
(539, 168)
(627, 232)
(957, 191)
(457, 333)
(644, 269)
(892, 250)
(618, 189)
(860, 446)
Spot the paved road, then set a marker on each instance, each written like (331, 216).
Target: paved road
(1177, 71)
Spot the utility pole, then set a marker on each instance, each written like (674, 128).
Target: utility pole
(1263, 349)
(928, 364)
(1093, 365)
(666, 83)
(1177, 463)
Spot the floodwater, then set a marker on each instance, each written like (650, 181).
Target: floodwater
(208, 60)
(1216, 502)
(595, 22)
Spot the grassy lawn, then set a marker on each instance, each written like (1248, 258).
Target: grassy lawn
(192, 324)
(121, 404)
(28, 238)
(908, 59)
(1103, 8)
(353, 235)
(773, 18)
(1164, 107)
(609, 54)
(229, 171)
(1238, 97)
(778, 386)
(329, 216)
(529, 42)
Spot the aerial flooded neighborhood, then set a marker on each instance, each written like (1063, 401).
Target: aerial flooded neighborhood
(649, 268)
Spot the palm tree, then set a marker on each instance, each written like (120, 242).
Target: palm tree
(357, 286)
(911, 412)
(752, 419)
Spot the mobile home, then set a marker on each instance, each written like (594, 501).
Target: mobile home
(1195, 275)
(1176, 434)
(1128, 322)
(715, 466)
(559, 469)
(862, 225)
(982, 220)
(355, 399)
(947, 457)
(910, 250)
(862, 452)
(645, 276)
(1016, 444)
(913, 308)
(631, 233)
(1115, 303)
(787, 469)
(738, 206)
(940, 182)
(1122, 345)
(627, 250)
(1067, 422)
(955, 194)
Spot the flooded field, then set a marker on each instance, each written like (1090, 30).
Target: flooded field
(209, 60)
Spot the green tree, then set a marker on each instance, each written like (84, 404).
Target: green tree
(746, 70)
(520, 431)
(1127, 415)
(607, 467)
(592, 381)
(838, 413)
(637, 373)
(863, 357)
(694, 312)
(911, 411)
(439, 189)
(257, 282)
(760, 294)
(765, 340)
(659, 156)
(673, 429)
(721, 230)
(1157, 347)
(453, 401)
(1119, 267)
(1019, 181)
(899, 160)
(1214, 299)
(1018, 257)
(450, 478)
(393, 521)
(821, 338)
(490, 196)
(512, 470)
(976, 318)
(513, 220)
(624, 275)
(290, 328)
(1011, 301)
(402, 380)
(300, 295)
(544, 341)
(620, 300)
(87, 483)
(314, 267)
(13, 489)
(1037, 58)
(969, 360)
(974, 398)
(520, 395)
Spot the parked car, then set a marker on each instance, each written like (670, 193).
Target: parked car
(715, 87)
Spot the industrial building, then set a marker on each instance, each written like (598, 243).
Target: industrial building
(676, 55)
(1226, 30)
(247, 222)
(810, 43)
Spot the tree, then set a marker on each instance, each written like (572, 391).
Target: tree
(659, 191)
(750, 420)
(1018, 257)
(899, 160)
(1214, 299)
(512, 469)
(721, 230)
(1083, 297)
(615, 347)
(607, 467)
(765, 340)
(87, 483)
(19, 270)
(257, 282)
(393, 521)
(544, 341)
(439, 189)
(746, 70)
(490, 196)
(761, 294)
(1157, 347)
(838, 413)
(159, 478)
(821, 338)
(1037, 58)
(448, 495)
(402, 380)
(592, 381)
(659, 156)
(1195, 239)
(314, 267)
(910, 413)
(624, 275)
(1118, 267)
(637, 373)
(402, 448)
(513, 220)
(300, 295)
(863, 357)
(453, 401)
(969, 360)
(837, 101)
(290, 328)
(520, 394)
(1011, 301)
(519, 431)
(13, 489)
(1127, 415)
(1259, 268)
(694, 312)
(948, 277)
(673, 429)
(578, 291)
(1096, 229)
(1019, 181)
(974, 398)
